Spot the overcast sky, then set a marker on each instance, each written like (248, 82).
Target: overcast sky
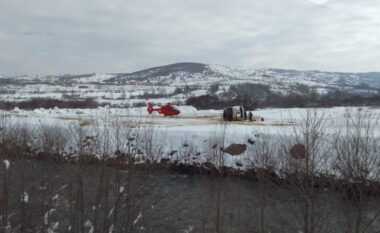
(86, 36)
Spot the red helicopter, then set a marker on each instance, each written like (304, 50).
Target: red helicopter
(166, 110)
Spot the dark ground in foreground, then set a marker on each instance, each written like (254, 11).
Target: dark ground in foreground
(40, 196)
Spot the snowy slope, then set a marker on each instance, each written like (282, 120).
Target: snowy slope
(162, 83)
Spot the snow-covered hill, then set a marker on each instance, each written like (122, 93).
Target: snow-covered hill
(196, 73)
(165, 83)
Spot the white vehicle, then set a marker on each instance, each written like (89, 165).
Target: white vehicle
(234, 113)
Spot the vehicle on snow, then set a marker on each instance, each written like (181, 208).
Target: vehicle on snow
(234, 113)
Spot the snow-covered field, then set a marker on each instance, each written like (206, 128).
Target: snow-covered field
(193, 138)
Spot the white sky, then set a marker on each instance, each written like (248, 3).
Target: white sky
(85, 36)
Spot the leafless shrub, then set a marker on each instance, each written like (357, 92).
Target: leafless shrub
(16, 138)
(150, 142)
(262, 156)
(99, 140)
(356, 146)
(122, 135)
(4, 196)
(218, 192)
(311, 133)
(53, 140)
(82, 145)
(187, 151)
(309, 214)
(215, 151)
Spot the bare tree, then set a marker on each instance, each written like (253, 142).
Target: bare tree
(152, 142)
(262, 156)
(4, 197)
(304, 156)
(356, 147)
